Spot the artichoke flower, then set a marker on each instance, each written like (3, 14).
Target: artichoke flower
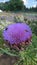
(17, 35)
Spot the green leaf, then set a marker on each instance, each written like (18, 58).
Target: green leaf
(8, 53)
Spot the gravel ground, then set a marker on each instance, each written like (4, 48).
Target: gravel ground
(7, 60)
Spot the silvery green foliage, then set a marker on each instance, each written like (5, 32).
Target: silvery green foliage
(19, 18)
(4, 23)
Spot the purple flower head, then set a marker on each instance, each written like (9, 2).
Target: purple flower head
(17, 32)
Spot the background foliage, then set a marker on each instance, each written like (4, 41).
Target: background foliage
(16, 5)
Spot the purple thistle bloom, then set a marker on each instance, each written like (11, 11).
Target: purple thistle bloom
(17, 32)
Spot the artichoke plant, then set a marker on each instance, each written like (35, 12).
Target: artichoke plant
(18, 39)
